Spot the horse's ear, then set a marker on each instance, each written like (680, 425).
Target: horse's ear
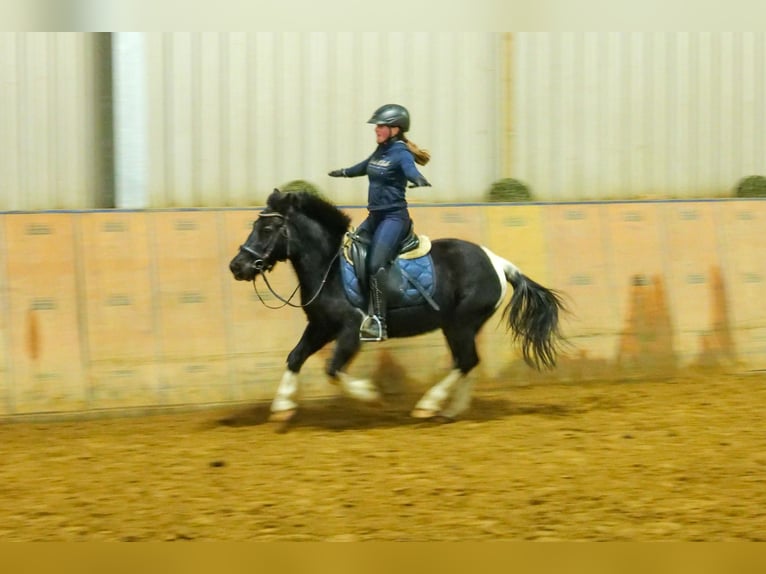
(275, 199)
(281, 201)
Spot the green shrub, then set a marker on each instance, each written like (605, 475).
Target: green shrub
(751, 186)
(509, 189)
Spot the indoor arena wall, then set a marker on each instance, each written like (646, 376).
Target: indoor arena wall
(119, 310)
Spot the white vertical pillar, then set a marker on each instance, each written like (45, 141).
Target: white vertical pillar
(130, 120)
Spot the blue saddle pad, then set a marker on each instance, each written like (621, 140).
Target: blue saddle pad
(401, 292)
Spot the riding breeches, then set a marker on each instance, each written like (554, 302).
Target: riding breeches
(387, 229)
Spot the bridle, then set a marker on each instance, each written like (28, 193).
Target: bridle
(260, 262)
(262, 265)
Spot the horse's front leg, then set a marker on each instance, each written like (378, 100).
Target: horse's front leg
(346, 349)
(285, 402)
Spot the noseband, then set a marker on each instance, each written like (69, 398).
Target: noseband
(261, 262)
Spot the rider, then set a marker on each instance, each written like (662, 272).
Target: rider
(389, 168)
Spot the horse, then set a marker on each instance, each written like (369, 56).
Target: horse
(470, 283)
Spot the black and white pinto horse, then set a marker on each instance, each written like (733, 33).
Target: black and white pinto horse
(470, 282)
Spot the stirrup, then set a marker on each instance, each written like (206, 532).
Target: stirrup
(371, 329)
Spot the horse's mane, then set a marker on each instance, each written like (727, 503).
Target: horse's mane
(312, 206)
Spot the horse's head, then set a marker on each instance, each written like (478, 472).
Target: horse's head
(310, 223)
(267, 244)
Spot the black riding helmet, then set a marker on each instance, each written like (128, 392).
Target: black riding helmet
(391, 115)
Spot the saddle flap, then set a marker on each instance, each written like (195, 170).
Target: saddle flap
(356, 244)
(355, 251)
(409, 282)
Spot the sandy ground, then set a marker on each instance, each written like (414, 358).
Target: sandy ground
(681, 459)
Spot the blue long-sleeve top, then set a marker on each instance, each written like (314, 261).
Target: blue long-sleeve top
(389, 168)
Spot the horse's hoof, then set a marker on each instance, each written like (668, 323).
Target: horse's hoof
(281, 420)
(377, 402)
(282, 416)
(423, 414)
(443, 419)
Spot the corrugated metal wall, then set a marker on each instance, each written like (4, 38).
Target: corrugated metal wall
(51, 129)
(233, 115)
(619, 115)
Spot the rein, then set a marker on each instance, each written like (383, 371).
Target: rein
(259, 264)
(288, 301)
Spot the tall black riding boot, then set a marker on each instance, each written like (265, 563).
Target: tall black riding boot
(374, 326)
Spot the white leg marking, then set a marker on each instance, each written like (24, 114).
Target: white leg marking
(461, 398)
(287, 393)
(431, 403)
(359, 389)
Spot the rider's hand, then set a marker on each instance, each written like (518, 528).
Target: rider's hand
(337, 173)
(421, 182)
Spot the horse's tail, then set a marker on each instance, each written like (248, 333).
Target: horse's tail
(533, 317)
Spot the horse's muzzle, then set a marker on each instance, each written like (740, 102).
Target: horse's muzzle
(243, 270)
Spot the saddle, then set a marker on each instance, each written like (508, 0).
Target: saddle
(411, 268)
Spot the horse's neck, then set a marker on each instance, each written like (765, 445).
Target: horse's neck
(312, 265)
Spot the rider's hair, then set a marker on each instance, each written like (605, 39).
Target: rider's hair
(422, 157)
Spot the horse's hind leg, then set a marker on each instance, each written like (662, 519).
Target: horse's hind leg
(431, 403)
(455, 387)
(461, 398)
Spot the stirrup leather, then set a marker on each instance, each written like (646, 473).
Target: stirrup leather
(373, 326)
